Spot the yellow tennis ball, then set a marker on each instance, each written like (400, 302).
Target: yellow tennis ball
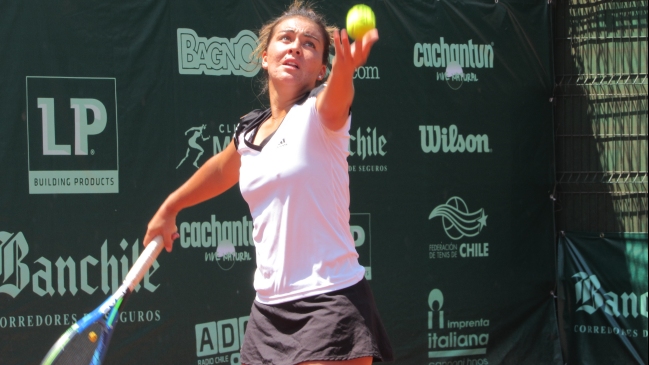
(92, 336)
(360, 20)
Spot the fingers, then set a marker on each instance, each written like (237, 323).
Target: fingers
(338, 46)
(344, 38)
(363, 47)
(370, 38)
(357, 52)
(168, 237)
(344, 57)
(171, 240)
(147, 239)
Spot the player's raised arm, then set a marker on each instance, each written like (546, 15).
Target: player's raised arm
(216, 176)
(334, 101)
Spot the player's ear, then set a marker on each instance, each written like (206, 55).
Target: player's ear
(264, 60)
(322, 72)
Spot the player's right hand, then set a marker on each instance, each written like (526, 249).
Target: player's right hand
(162, 224)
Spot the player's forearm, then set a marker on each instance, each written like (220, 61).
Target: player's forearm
(337, 98)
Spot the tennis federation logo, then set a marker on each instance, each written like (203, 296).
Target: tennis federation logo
(457, 220)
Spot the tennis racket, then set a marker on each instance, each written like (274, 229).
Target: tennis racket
(86, 342)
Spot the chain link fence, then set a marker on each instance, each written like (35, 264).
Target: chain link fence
(601, 115)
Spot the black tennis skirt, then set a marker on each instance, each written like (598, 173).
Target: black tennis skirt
(340, 325)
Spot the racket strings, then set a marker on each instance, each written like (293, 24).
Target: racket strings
(81, 346)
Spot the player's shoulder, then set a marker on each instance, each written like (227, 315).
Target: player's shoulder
(317, 90)
(253, 116)
(250, 121)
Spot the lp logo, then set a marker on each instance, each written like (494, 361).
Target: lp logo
(72, 135)
(81, 127)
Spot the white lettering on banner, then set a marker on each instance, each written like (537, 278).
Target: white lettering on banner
(367, 73)
(470, 77)
(13, 250)
(590, 297)
(68, 319)
(442, 53)
(211, 233)
(217, 56)
(16, 273)
(39, 320)
(435, 138)
(370, 144)
(607, 330)
(222, 338)
(81, 127)
(140, 316)
(364, 143)
(443, 343)
(474, 249)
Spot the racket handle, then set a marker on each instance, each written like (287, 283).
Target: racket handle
(144, 262)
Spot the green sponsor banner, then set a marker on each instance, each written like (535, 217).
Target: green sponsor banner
(603, 288)
(105, 109)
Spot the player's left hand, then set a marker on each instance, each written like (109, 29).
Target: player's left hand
(348, 56)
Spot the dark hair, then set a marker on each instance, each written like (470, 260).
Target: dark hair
(297, 9)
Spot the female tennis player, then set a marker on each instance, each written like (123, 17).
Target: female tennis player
(313, 305)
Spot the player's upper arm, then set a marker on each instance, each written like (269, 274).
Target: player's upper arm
(229, 162)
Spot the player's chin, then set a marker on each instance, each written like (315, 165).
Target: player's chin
(294, 78)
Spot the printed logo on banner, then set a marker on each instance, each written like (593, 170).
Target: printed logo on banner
(217, 56)
(228, 242)
(72, 135)
(459, 223)
(367, 147)
(452, 337)
(435, 139)
(454, 59)
(219, 342)
(194, 147)
(66, 276)
(86, 275)
(197, 138)
(361, 228)
(592, 299)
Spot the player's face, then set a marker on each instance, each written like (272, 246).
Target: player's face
(294, 53)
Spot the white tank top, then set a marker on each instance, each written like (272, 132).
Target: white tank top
(296, 184)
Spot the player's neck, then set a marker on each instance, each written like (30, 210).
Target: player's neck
(283, 97)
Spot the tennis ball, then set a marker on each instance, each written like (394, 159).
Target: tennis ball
(360, 19)
(92, 336)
